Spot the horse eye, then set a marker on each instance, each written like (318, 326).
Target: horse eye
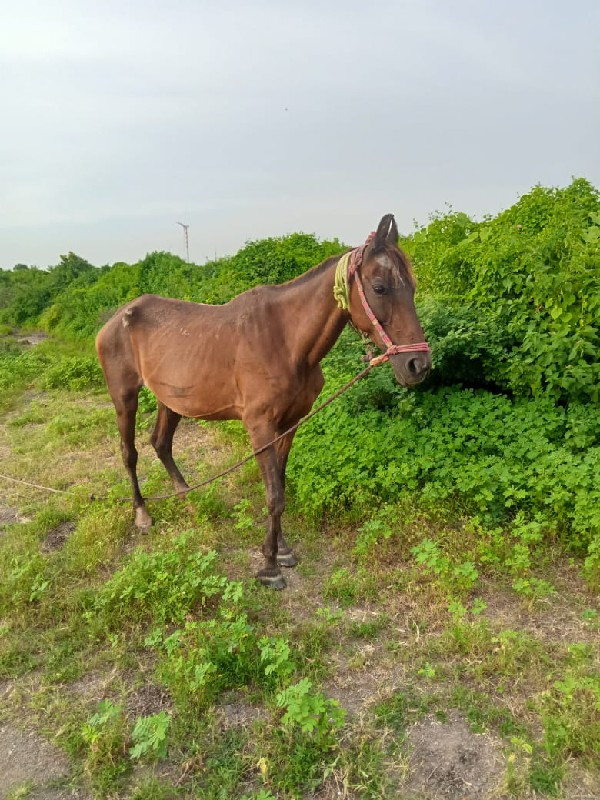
(379, 288)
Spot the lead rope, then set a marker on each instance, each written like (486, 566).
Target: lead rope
(99, 498)
(349, 269)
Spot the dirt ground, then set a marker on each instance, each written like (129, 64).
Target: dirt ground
(449, 761)
(28, 759)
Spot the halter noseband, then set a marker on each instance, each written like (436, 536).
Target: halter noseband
(342, 287)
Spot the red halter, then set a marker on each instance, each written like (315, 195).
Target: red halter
(356, 257)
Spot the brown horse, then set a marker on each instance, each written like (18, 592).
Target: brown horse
(257, 359)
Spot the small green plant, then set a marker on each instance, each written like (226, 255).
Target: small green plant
(105, 737)
(368, 629)
(591, 568)
(458, 577)
(307, 742)
(348, 587)
(427, 670)
(149, 736)
(571, 715)
(244, 521)
(310, 710)
(545, 777)
(275, 655)
(369, 535)
(401, 708)
(205, 658)
(533, 588)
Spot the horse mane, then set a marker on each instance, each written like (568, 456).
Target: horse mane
(401, 260)
(313, 271)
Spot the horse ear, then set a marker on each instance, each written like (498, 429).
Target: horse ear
(387, 233)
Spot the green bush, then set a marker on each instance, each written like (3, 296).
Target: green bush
(205, 658)
(74, 373)
(532, 270)
(159, 587)
(494, 455)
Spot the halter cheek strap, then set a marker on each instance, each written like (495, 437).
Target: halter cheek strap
(354, 261)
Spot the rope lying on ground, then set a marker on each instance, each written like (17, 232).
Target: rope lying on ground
(207, 481)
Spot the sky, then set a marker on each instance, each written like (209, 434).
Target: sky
(253, 119)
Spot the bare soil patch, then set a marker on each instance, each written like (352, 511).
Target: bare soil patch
(94, 686)
(358, 687)
(555, 619)
(58, 793)
(56, 538)
(26, 757)
(8, 515)
(238, 713)
(31, 339)
(449, 761)
(581, 784)
(147, 700)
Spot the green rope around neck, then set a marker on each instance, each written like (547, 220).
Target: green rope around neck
(341, 290)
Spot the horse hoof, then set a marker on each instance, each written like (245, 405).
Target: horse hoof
(276, 581)
(287, 559)
(143, 520)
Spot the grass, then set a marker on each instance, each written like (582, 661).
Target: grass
(111, 628)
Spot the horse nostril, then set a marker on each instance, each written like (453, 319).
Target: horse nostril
(413, 366)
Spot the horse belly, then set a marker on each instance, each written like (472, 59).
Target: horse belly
(189, 387)
(195, 402)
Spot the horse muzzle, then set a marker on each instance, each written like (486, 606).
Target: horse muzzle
(411, 369)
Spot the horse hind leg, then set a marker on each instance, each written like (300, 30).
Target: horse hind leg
(162, 441)
(126, 407)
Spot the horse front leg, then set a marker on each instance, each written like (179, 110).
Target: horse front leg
(285, 556)
(270, 469)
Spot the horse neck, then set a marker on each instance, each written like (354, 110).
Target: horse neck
(313, 310)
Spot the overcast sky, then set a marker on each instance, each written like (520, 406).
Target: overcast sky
(259, 118)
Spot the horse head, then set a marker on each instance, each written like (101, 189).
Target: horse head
(382, 304)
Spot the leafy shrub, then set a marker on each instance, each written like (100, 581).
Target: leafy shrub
(306, 743)
(74, 373)
(162, 586)
(495, 455)
(533, 271)
(19, 367)
(75, 299)
(206, 657)
(469, 347)
(147, 403)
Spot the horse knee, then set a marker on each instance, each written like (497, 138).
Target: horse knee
(130, 455)
(276, 505)
(161, 449)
